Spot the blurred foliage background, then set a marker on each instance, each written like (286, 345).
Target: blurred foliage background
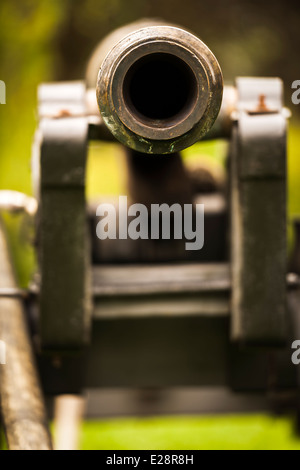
(46, 40)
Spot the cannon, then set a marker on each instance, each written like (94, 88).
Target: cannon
(159, 89)
(144, 311)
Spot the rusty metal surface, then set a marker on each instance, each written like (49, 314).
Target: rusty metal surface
(22, 403)
(222, 127)
(59, 100)
(159, 89)
(109, 41)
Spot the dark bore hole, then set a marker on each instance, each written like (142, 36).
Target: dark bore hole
(160, 86)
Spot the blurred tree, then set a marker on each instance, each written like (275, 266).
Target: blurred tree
(27, 57)
(249, 37)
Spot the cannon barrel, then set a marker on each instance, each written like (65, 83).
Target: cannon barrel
(159, 88)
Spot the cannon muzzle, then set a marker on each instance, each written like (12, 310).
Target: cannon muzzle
(159, 89)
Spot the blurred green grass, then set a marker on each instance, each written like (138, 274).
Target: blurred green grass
(254, 432)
